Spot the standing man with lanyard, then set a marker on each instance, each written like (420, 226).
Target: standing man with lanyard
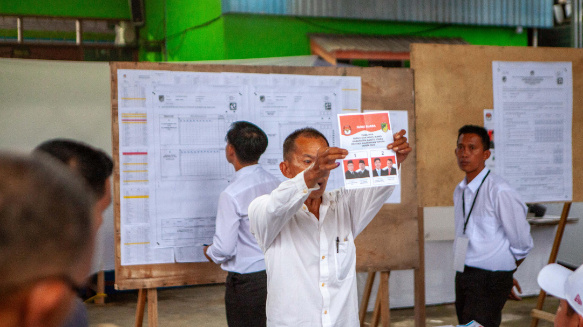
(233, 245)
(492, 234)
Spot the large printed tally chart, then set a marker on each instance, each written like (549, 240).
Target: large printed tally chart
(172, 128)
(369, 163)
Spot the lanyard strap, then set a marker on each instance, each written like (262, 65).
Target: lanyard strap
(473, 203)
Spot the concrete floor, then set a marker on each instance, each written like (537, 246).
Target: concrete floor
(203, 306)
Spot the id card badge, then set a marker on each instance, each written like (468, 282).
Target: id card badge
(459, 253)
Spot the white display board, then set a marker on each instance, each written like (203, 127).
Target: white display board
(172, 128)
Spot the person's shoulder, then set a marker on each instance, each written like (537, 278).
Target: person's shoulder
(498, 185)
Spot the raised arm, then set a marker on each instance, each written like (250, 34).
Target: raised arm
(269, 213)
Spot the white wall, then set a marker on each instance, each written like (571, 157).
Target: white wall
(40, 100)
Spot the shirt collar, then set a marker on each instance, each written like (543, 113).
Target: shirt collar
(245, 171)
(475, 183)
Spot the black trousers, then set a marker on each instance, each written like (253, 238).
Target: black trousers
(245, 299)
(481, 294)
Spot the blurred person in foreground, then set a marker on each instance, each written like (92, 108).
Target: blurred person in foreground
(567, 285)
(46, 240)
(94, 167)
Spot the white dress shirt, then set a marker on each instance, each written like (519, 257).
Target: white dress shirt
(234, 247)
(497, 229)
(310, 277)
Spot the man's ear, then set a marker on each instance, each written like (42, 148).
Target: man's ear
(48, 304)
(230, 153)
(284, 167)
(487, 154)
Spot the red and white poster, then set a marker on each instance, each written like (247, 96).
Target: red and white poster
(369, 163)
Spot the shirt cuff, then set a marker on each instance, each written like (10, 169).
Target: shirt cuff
(300, 183)
(210, 253)
(518, 253)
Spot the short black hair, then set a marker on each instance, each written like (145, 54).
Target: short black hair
(94, 165)
(350, 162)
(289, 145)
(478, 130)
(377, 159)
(248, 140)
(390, 159)
(361, 161)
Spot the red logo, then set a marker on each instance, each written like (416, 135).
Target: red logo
(578, 299)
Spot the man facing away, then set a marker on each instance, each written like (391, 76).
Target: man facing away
(233, 245)
(94, 167)
(567, 285)
(492, 234)
(307, 234)
(46, 218)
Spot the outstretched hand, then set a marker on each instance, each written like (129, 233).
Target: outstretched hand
(324, 162)
(400, 146)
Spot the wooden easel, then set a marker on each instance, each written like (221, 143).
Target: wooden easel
(382, 307)
(537, 313)
(151, 294)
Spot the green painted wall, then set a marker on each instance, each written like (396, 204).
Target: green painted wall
(115, 9)
(259, 36)
(194, 30)
(186, 30)
(153, 32)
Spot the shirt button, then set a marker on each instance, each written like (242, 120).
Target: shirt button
(323, 257)
(323, 284)
(325, 312)
(305, 191)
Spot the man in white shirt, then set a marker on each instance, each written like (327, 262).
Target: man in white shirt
(567, 285)
(492, 234)
(307, 234)
(233, 245)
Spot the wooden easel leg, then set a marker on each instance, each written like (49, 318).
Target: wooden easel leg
(381, 308)
(100, 287)
(420, 277)
(552, 258)
(140, 308)
(152, 307)
(377, 311)
(384, 294)
(366, 295)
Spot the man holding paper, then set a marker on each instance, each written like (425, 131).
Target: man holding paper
(492, 234)
(307, 234)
